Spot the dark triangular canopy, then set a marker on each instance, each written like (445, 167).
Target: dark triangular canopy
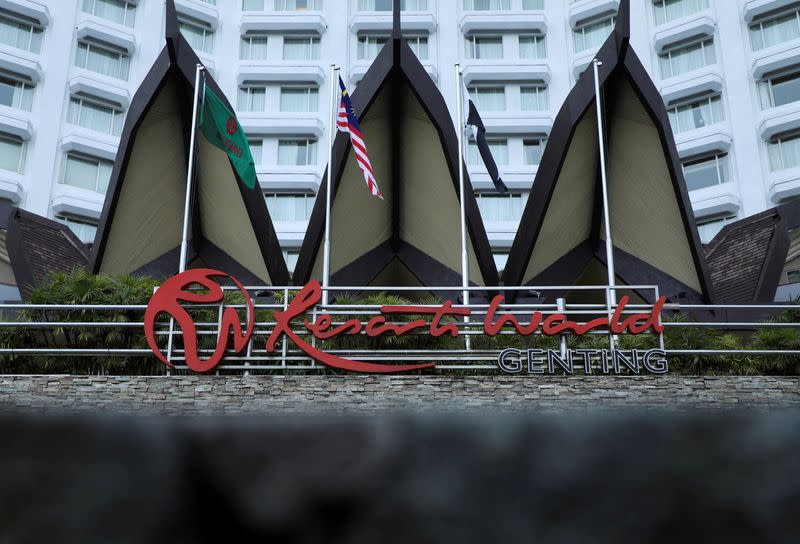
(413, 236)
(561, 237)
(141, 225)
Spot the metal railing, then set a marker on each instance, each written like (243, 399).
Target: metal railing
(47, 324)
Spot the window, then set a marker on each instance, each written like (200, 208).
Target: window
(532, 47)
(670, 10)
(253, 47)
(369, 45)
(299, 99)
(12, 153)
(95, 115)
(533, 150)
(102, 59)
(198, 34)
(500, 260)
(505, 208)
(15, 93)
(592, 33)
(117, 11)
(301, 152)
(498, 147)
(253, 5)
(291, 256)
(290, 206)
(484, 47)
(793, 276)
(84, 229)
(687, 58)
(778, 90)
(530, 5)
(297, 5)
(488, 98)
(487, 5)
(696, 114)
(706, 171)
(20, 34)
(386, 5)
(534, 98)
(252, 99)
(257, 151)
(87, 172)
(784, 152)
(775, 29)
(708, 229)
(419, 45)
(301, 49)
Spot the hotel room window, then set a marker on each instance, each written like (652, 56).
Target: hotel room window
(20, 33)
(505, 208)
(305, 48)
(199, 35)
(291, 256)
(386, 5)
(252, 99)
(86, 172)
(484, 47)
(369, 45)
(591, 33)
(708, 229)
(12, 153)
(686, 58)
(299, 99)
(297, 5)
(498, 147)
(257, 151)
(670, 10)
(297, 152)
(500, 260)
(697, 113)
(775, 29)
(778, 89)
(532, 47)
(96, 115)
(290, 206)
(488, 98)
(16, 92)
(116, 11)
(487, 5)
(103, 59)
(534, 98)
(533, 149)
(706, 171)
(253, 47)
(84, 229)
(784, 152)
(533, 5)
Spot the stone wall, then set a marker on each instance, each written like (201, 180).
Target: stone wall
(293, 394)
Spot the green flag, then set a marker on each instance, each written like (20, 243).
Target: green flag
(222, 129)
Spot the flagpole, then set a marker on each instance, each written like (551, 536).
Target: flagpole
(611, 295)
(326, 252)
(190, 172)
(462, 192)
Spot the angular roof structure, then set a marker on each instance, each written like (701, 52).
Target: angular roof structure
(141, 224)
(37, 246)
(561, 238)
(413, 236)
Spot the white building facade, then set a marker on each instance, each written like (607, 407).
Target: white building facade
(729, 72)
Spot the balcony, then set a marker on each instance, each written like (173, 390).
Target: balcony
(107, 88)
(517, 122)
(89, 142)
(757, 8)
(704, 140)
(11, 186)
(291, 71)
(201, 11)
(506, 70)
(16, 122)
(278, 21)
(700, 24)
(372, 21)
(586, 9)
(528, 21)
(68, 200)
(516, 177)
(279, 123)
(98, 29)
(783, 185)
(719, 200)
(778, 120)
(299, 178)
(704, 80)
(22, 63)
(775, 58)
(28, 8)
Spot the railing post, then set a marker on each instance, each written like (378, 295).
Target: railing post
(661, 343)
(561, 306)
(285, 344)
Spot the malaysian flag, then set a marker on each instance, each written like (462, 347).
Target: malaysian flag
(347, 121)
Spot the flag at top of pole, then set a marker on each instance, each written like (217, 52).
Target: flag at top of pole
(346, 121)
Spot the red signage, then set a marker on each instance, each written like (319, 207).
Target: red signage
(171, 294)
